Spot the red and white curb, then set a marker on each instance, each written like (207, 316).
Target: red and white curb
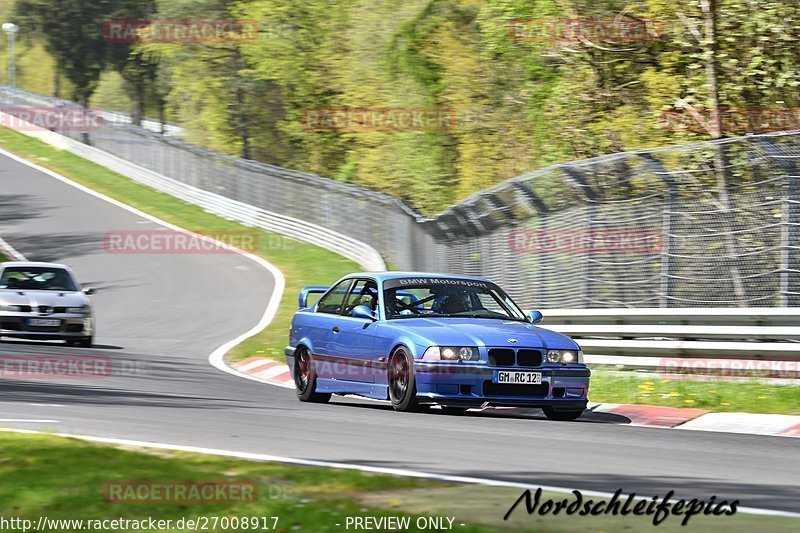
(277, 373)
(266, 370)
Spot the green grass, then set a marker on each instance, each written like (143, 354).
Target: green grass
(302, 264)
(63, 478)
(608, 386)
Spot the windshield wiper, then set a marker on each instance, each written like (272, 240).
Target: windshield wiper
(495, 317)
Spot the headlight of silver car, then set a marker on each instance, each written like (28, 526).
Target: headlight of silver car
(84, 310)
(564, 356)
(10, 308)
(451, 353)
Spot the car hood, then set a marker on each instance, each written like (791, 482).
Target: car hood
(484, 332)
(48, 298)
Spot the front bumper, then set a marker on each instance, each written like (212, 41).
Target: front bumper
(564, 387)
(70, 326)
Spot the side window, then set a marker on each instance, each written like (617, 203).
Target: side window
(489, 302)
(365, 292)
(332, 302)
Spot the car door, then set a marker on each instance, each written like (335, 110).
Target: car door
(322, 324)
(353, 338)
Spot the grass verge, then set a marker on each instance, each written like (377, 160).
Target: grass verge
(752, 396)
(302, 264)
(61, 478)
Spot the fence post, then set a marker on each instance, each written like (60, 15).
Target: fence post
(790, 219)
(666, 286)
(575, 177)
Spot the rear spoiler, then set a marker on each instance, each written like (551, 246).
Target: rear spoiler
(302, 300)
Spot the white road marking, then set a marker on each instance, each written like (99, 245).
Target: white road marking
(31, 420)
(361, 468)
(11, 251)
(216, 359)
(46, 405)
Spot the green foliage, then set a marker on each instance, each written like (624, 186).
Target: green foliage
(518, 104)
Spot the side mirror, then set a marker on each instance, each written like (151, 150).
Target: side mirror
(362, 311)
(534, 317)
(89, 290)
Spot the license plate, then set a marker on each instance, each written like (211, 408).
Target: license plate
(44, 322)
(518, 378)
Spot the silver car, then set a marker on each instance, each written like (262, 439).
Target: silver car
(44, 301)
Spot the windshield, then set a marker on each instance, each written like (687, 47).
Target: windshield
(442, 297)
(37, 279)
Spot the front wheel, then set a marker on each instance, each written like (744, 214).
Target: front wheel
(402, 385)
(564, 416)
(305, 378)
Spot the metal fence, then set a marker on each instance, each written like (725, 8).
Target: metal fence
(711, 224)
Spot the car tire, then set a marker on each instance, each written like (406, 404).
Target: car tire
(454, 411)
(564, 416)
(402, 384)
(305, 378)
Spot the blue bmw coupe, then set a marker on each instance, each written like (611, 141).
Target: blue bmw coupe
(432, 339)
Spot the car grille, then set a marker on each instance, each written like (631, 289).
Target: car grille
(529, 358)
(525, 357)
(501, 357)
(507, 389)
(10, 325)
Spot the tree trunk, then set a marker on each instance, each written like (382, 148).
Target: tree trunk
(137, 104)
(244, 133)
(162, 113)
(710, 47)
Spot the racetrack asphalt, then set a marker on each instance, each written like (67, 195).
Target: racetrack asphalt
(159, 316)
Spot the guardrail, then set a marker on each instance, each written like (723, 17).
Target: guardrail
(14, 94)
(702, 339)
(355, 250)
(651, 228)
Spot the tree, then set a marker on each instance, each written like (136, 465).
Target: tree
(137, 68)
(73, 33)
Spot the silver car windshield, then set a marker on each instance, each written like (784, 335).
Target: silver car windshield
(481, 300)
(37, 279)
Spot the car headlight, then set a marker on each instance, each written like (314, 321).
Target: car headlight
(84, 310)
(451, 353)
(10, 308)
(564, 356)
